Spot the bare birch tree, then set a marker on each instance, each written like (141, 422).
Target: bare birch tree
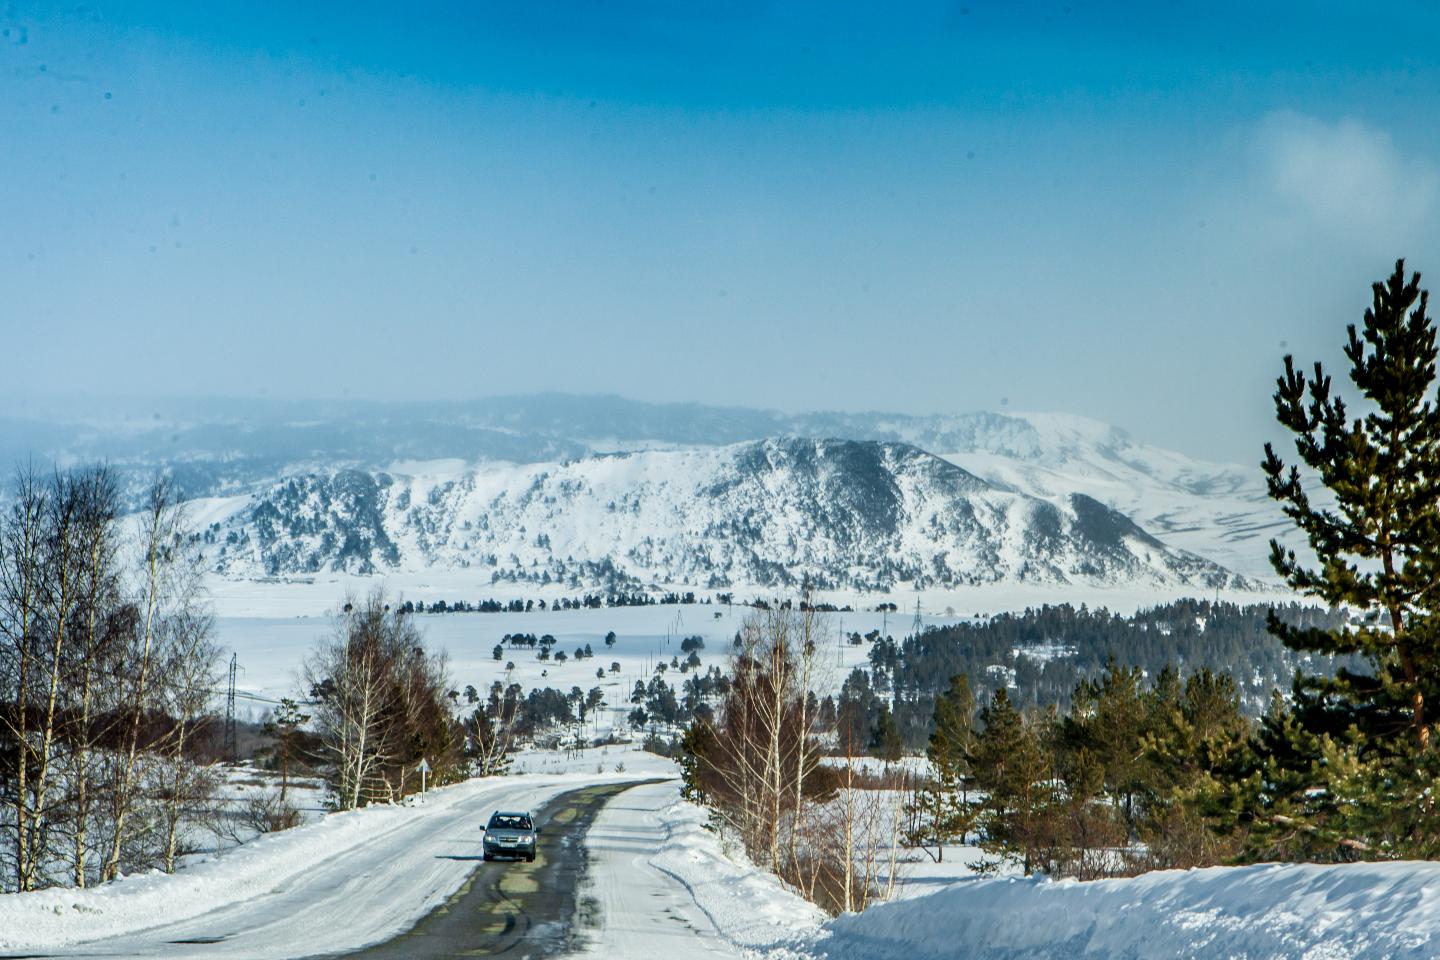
(60, 581)
(188, 660)
(22, 560)
(99, 621)
(159, 552)
(380, 704)
(83, 714)
(758, 757)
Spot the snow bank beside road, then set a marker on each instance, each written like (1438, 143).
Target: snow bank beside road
(747, 905)
(1300, 911)
(1272, 911)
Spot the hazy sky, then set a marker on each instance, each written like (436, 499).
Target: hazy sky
(1118, 210)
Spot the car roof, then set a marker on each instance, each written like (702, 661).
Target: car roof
(511, 813)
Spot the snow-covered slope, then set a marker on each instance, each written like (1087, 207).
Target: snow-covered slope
(239, 448)
(861, 515)
(1220, 511)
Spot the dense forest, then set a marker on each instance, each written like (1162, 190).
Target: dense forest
(1042, 654)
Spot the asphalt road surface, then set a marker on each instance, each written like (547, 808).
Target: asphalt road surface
(518, 910)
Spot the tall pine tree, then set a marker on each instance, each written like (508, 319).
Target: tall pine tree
(1358, 763)
(885, 740)
(1013, 768)
(942, 805)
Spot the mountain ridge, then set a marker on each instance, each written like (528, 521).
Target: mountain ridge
(865, 515)
(226, 448)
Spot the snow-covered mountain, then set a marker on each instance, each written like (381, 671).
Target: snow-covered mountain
(245, 448)
(1220, 511)
(848, 514)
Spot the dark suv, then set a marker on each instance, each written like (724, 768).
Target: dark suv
(510, 835)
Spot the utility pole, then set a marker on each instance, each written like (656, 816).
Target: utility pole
(916, 628)
(230, 710)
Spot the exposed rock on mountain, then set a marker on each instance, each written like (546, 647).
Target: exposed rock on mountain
(847, 514)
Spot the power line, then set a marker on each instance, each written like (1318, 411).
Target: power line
(247, 695)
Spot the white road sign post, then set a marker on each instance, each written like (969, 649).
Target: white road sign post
(424, 768)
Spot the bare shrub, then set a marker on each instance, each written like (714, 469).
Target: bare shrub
(257, 813)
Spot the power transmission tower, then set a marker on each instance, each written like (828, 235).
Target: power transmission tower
(230, 710)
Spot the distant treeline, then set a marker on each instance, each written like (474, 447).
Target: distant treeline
(1042, 654)
(596, 601)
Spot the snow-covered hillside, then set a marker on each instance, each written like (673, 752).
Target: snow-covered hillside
(244, 449)
(1220, 511)
(858, 515)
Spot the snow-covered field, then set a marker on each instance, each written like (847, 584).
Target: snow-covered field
(314, 596)
(272, 649)
(271, 626)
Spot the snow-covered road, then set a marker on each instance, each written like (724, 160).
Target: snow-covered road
(639, 909)
(655, 882)
(351, 880)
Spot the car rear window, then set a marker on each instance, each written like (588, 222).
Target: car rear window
(507, 822)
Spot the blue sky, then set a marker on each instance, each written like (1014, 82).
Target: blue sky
(1127, 211)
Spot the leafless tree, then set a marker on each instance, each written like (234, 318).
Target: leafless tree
(60, 582)
(381, 704)
(161, 580)
(101, 620)
(22, 565)
(103, 667)
(811, 626)
(186, 678)
(758, 760)
(858, 833)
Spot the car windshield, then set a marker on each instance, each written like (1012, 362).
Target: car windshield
(509, 821)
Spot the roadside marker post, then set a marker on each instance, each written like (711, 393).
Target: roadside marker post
(424, 768)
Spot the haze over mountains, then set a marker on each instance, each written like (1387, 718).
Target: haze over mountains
(599, 491)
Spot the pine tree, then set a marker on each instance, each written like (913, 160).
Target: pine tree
(1013, 768)
(1199, 735)
(1353, 763)
(283, 726)
(885, 738)
(943, 804)
(697, 748)
(1110, 720)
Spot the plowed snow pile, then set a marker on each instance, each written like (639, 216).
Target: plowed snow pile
(1300, 911)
